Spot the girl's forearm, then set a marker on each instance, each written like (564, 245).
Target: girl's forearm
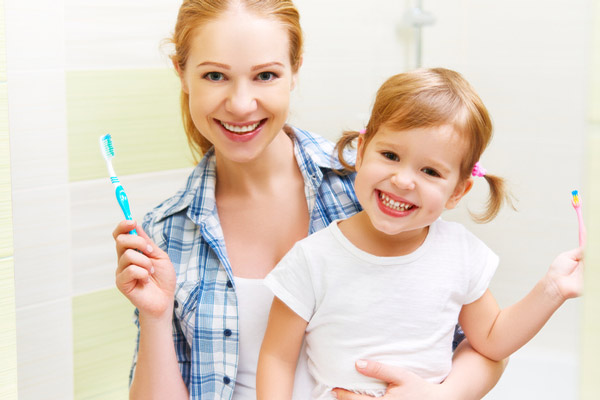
(274, 378)
(519, 323)
(472, 375)
(157, 374)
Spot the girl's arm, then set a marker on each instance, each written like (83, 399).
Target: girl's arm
(471, 377)
(147, 278)
(279, 353)
(498, 333)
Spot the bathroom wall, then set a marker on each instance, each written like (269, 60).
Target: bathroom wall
(77, 69)
(8, 331)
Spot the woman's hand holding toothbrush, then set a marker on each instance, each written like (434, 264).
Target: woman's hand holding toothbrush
(145, 275)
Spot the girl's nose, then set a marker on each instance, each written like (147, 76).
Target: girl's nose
(403, 179)
(241, 99)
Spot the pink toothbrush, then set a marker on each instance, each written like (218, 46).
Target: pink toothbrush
(577, 206)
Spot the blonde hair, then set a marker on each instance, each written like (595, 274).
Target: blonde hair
(430, 98)
(196, 13)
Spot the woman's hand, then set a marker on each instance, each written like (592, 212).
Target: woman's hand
(402, 384)
(565, 274)
(144, 274)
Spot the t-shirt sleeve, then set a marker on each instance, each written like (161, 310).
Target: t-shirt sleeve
(291, 282)
(483, 264)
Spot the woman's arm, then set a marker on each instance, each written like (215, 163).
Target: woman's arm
(145, 275)
(498, 333)
(471, 377)
(279, 353)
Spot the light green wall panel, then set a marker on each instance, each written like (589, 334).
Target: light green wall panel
(2, 44)
(5, 191)
(104, 339)
(139, 108)
(8, 332)
(591, 299)
(595, 66)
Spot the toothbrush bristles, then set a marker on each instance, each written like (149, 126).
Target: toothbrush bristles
(108, 149)
(575, 194)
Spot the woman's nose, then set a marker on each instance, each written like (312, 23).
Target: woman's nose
(404, 179)
(241, 99)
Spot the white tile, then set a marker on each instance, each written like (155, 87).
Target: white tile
(118, 34)
(45, 351)
(35, 35)
(41, 244)
(95, 213)
(38, 129)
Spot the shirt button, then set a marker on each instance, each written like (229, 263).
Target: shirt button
(226, 380)
(229, 284)
(227, 332)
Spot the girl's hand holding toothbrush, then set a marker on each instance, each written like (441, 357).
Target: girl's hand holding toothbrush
(565, 275)
(145, 275)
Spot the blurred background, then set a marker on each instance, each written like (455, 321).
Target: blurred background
(72, 70)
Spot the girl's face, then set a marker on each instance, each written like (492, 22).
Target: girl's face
(239, 78)
(406, 179)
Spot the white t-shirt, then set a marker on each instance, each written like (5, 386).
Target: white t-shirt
(397, 310)
(254, 304)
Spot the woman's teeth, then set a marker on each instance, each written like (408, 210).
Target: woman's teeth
(393, 204)
(240, 128)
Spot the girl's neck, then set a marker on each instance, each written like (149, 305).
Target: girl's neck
(359, 230)
(260, 175)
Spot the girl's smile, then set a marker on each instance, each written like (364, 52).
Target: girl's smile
(394, 206)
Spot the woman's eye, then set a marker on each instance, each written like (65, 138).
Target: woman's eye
(266, 76)
(431, 171)
(214, 76)
(390, 156)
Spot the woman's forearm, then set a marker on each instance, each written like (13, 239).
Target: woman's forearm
(472, 375)
(157, 374)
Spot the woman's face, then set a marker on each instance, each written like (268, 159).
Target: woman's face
(239, 78)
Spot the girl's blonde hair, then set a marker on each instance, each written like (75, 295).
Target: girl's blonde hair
(194, 14)
(428, 98)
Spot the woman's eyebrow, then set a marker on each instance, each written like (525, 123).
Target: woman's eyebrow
(266, 65)
(214, 64)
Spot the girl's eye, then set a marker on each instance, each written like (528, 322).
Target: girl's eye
(266, 76)
(431, 171)
(390, 156)
(214, 76)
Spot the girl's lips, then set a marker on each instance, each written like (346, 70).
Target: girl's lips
(394, 206)
(237, 132)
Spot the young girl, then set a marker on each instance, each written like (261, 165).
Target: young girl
(391, 282)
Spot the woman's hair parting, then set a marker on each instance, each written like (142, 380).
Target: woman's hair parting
(194, 14)
(428, 98)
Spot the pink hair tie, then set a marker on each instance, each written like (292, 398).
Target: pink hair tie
(478, 170)
(362, 131)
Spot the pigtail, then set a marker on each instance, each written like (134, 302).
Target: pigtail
(346, 141)
(499, 196)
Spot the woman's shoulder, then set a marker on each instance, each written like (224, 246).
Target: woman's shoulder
(318, 148)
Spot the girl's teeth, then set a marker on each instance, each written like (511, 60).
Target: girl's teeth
(238, 128)
(396, 205)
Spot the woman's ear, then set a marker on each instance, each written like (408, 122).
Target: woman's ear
(295, 74)
(179, 71)
(462, 188)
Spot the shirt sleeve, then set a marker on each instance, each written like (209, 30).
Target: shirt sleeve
(291, 282)
(483, 264)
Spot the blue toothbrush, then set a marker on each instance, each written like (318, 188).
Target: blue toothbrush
(108, 151)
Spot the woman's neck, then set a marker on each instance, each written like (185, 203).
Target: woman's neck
(260, 175)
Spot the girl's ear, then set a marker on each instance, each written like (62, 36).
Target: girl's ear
(184, 86)
(462, 188)
(359, 151)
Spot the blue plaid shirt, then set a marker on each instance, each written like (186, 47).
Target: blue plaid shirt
(187, 227)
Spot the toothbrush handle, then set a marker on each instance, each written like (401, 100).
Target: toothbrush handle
(124, 203)
(582, 231)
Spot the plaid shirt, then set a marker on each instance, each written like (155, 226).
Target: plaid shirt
(186, 226)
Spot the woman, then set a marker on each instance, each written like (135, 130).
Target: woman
(196, 280)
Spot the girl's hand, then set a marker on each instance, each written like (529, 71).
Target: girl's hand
(402, 384)
(565, 275)
(144, 274)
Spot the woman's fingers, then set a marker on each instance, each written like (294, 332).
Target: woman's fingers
(127, 279)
